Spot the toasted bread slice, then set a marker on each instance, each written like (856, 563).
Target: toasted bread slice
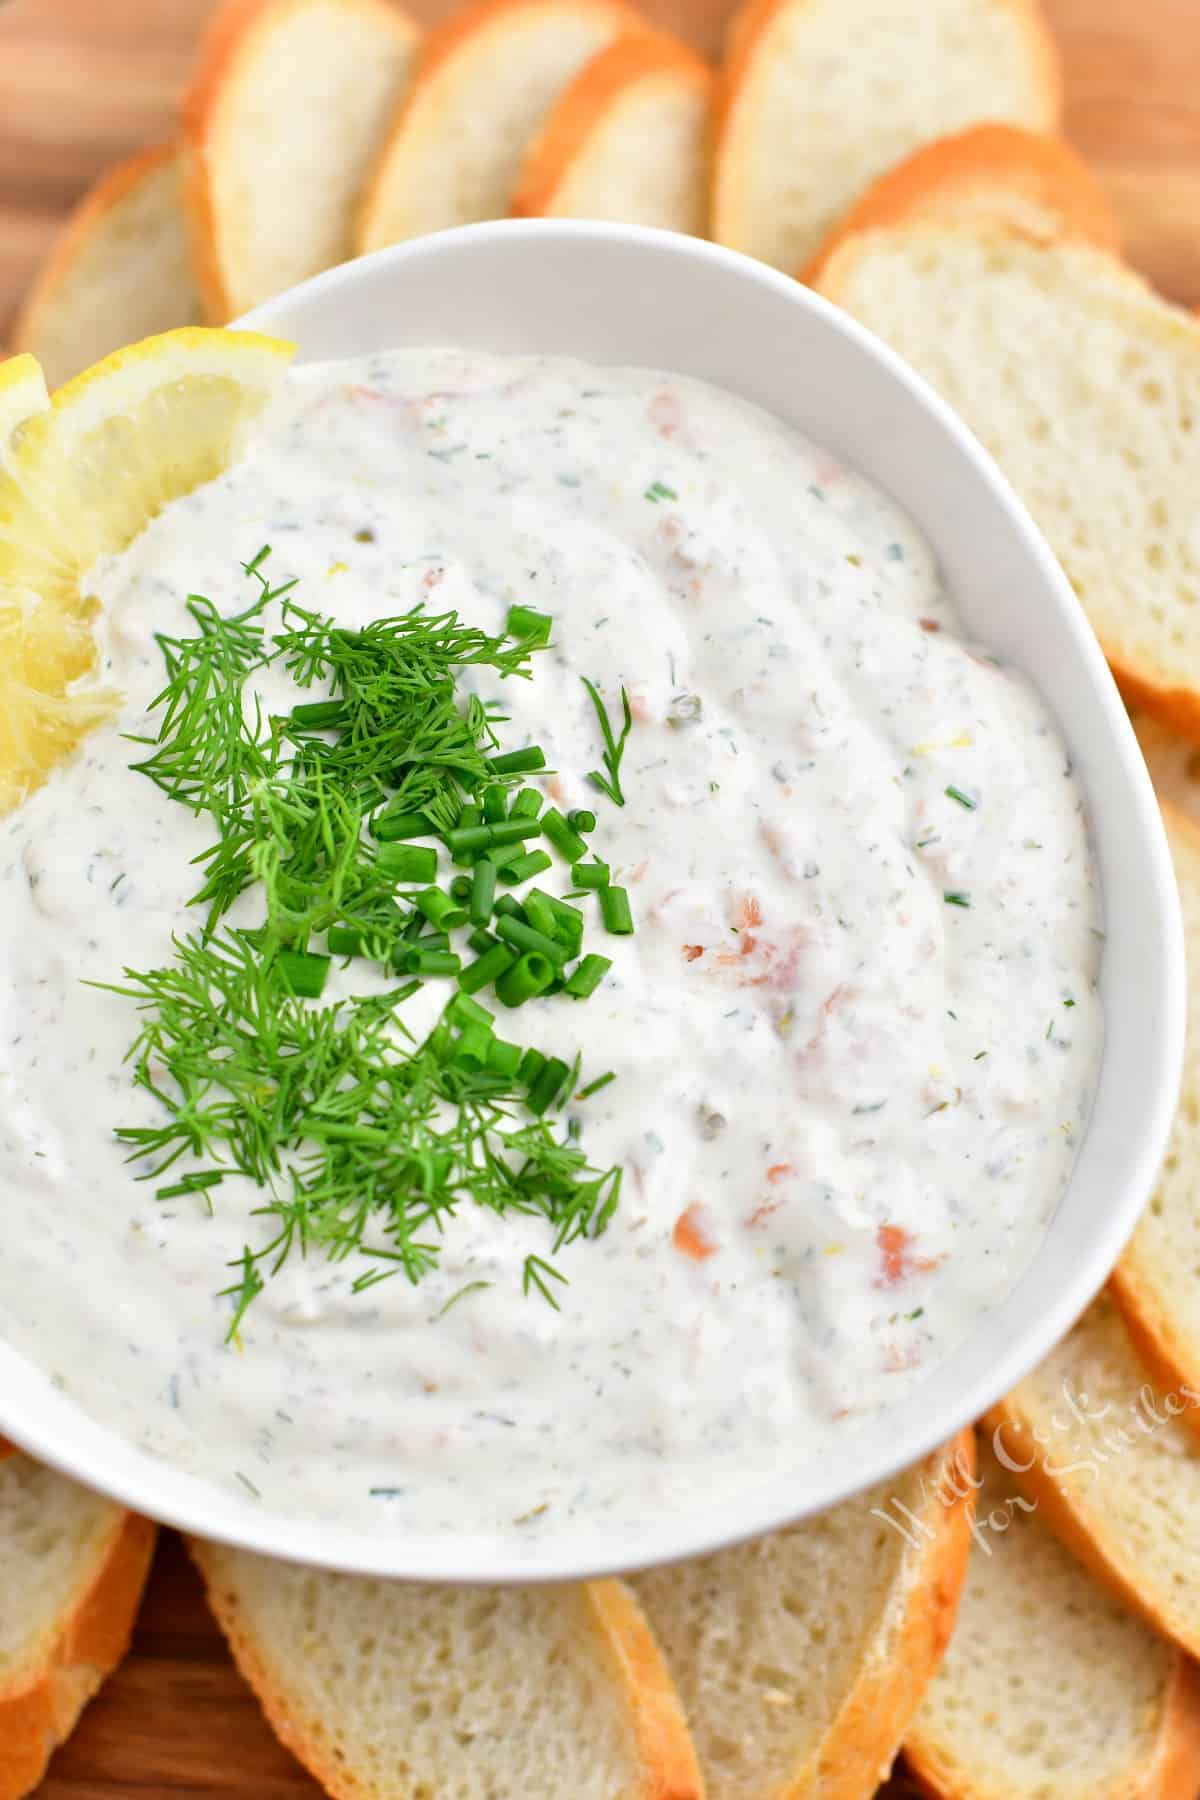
(1050, 1686)
(394, 1691)
(289, 102)
(801, 1657)
(1086, 389)
(817, 98)
(484, 84)
(120, 271)
(628, 140)
(1114, 1471)
(72, 1569)
(1036, 186)
(1154, 1283)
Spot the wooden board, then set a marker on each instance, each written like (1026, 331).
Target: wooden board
(84, 81)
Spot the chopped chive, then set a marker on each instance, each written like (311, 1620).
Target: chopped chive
(525, 937)
(486, 968)
(407, 862)
(303, 971)
(527, 805)
(581, 820)
(544, 1091)
(616, 911)
(495, 803)
(518, 762)
(953, 793)
(462, 1010)
(460, 887)
(957, 899)
(389, 827)
(440, 909)
(465, 838)
(432, 940)
(568, 920)
(320, 714)
(586, 977)
(532, 1064)
(658, 490)
(469, 819)
(509, 904)
(525, 867)
(416, 961)
(481, 940)
(593, 1087)
(540, 913)
(471, 1051)
(568, 843)
(482, 891)
(343, 942)
(532, 627)
(590, 874)
(529, 976)
(504, 1058)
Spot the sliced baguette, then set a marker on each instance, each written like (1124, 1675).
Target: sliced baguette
(72, 1569)
(392, 1691)
(1113, 1469)
(801, 1658)
(485, 82)
(120, 271)
(1034, 185)
(288, 104)
(817, 98)
(1154, 1283)
(1086, 388)
(628, 140)
(1050, 1686)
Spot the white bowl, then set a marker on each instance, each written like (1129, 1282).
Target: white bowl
(624, 295)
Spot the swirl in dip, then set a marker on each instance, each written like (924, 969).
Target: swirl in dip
(854, 1034)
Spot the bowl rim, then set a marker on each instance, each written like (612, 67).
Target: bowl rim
(199, 1506)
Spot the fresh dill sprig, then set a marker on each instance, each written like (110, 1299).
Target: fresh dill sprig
(614, 747)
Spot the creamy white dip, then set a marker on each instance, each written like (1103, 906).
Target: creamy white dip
(855, 1033)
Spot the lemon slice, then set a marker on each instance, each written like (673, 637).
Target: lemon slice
(22, 395)
(80, 476)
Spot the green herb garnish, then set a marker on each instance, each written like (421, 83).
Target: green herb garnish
(362, 1140)
(614, 747)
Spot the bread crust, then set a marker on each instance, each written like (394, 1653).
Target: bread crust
(465, 31)
(590, 101)
(1041, 172)
(88, 217)
(92, 1638)
(748, 37)
(231, 42)
(1171, 1356)
(1175, 706)
(868, 1731)
(667, 1754)
(669, 1767)
(1171, 1773)
(1068, 1515)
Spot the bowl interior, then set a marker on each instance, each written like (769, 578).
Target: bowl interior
(623, 295)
